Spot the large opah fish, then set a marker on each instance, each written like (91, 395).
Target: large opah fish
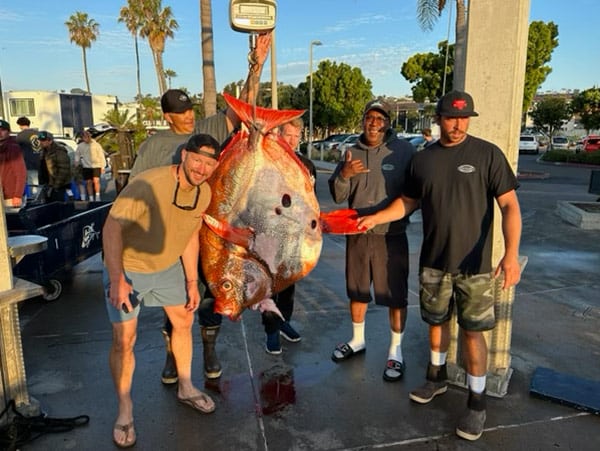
(263, 229)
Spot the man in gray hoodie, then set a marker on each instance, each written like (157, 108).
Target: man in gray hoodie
(369, 178)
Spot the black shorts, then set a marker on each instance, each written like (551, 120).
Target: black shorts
(380, 260)
(90, 173)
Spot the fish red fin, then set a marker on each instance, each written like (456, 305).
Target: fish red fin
(240, 236)
(340, 222)
(264, 119)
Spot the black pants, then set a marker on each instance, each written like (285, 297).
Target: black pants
(284, 300)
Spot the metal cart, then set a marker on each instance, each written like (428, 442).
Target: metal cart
(74, 232)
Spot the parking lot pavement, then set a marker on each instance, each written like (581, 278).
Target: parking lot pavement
(301, 400)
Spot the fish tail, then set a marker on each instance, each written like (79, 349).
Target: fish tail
(263, 119)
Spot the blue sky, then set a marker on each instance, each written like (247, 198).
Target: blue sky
(375, 35)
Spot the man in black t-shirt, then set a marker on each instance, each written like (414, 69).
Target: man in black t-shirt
(456, 181)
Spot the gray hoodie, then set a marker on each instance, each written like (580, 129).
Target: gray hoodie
(376, 189)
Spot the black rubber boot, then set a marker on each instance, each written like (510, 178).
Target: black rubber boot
(212, 367)
(169, 372)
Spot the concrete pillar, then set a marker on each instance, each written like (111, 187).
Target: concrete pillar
(13, 381)
(496, 52)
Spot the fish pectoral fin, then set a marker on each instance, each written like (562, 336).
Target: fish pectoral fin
(340, 222)
(240, 236)
(267, 305)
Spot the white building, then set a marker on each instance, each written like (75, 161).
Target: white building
(61, 113)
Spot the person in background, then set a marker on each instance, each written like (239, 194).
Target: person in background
(426, 132)
(163, 148)
(456, 182)
(371, 176)
(150, 242)
(13, 174)
(284, 300)
(26, 139)
(90, 156)
(55, 168)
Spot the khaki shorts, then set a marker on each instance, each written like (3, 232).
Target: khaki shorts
(160, 289)
(472, 294)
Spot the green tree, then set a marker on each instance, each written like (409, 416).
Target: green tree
(340, 93)
(131, 15)
(156, 26)
(170, 74)
(426, 71)
(83, 31)
(208, 58)
(550, 114)
(542, 40)
(587, 105)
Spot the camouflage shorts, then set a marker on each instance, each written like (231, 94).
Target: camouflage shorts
(472, 294)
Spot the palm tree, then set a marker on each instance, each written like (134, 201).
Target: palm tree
(208, 59)
(157, 25)
(428, 12)
(131, 16)
(83, 31)
(170, 73)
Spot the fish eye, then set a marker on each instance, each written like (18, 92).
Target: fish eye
(286, 200)
(313, 224)
(227, 285)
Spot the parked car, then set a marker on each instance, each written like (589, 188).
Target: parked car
(345, 144)
(330, 142)
(591, 143)
(559, 143)
(529, 144)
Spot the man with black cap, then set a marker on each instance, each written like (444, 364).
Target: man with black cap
(164, 148)
(55, 168)
(456, 181)
(369, 178)
(13, 174)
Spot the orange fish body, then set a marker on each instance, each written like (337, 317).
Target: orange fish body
(263, 231)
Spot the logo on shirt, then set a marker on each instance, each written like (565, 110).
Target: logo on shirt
(387, 167)
(466, 168)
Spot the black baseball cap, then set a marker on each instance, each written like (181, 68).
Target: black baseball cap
(456, 104)
(175, 101)
(44, 135)
(379, 105)
(196, 142)
(5, 125)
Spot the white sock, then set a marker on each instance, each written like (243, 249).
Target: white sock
(358, 336)
(437, 358)
(82, 196)
(395, 352)
(476, 383)
(97, 196)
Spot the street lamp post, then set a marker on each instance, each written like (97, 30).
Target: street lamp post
(310, 94)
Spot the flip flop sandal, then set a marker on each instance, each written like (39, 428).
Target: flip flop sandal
(345, 351)
(192, 402)
(394, 370)
(130, 438)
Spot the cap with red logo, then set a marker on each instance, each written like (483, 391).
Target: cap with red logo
(456, 104)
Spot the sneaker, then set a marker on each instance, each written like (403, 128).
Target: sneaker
(470, 426)
(289, 333)
(273, 345)
(428, 391)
